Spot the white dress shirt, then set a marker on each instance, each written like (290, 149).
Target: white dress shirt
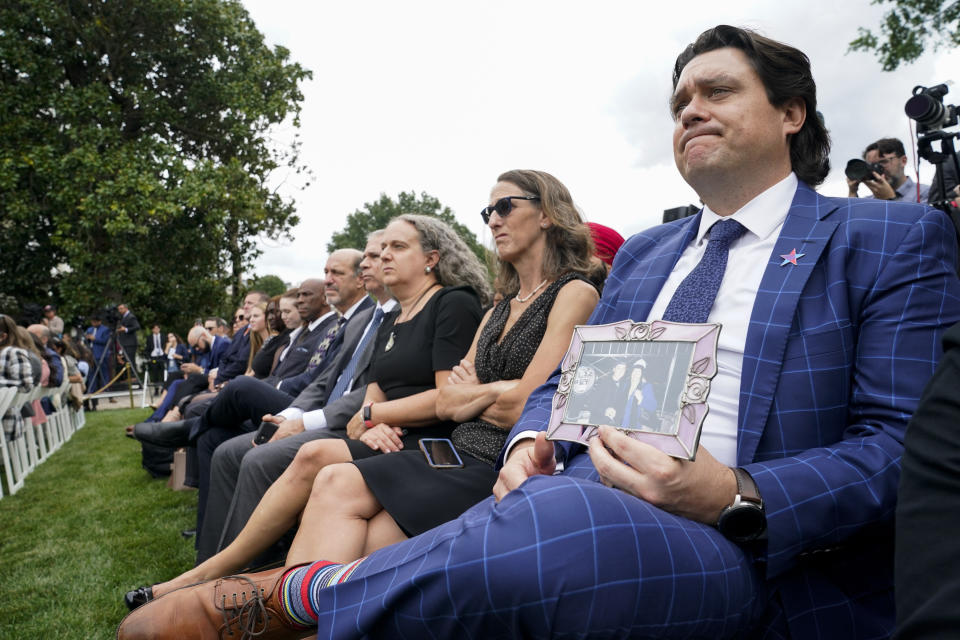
(157, 350)
(316, 419)
(763, 217)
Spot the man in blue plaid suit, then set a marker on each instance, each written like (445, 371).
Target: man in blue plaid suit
(832, 310)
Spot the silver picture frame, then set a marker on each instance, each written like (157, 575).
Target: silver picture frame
(649, 380)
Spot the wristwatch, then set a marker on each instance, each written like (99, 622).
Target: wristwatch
(367, 418)
(745, 519)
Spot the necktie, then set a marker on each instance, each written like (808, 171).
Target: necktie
(696, 294)
(343, 382)
(304, 332)
(324, 345)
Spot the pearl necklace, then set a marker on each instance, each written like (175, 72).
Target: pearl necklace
(530, 295)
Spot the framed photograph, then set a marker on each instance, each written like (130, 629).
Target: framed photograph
(649, 380)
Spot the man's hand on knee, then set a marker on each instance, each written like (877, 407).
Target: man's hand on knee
(697, 490)
(528, 458)
(286, 428)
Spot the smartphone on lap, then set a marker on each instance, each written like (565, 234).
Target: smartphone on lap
(265, 432)
(440, 453)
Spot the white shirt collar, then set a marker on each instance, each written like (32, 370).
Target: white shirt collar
(387, 306)
(349, 312)
(761, 216)
(313, 325)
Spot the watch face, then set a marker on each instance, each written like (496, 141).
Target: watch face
(366, 413)
(742, 523)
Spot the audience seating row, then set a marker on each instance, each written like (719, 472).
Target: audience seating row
(22, 455)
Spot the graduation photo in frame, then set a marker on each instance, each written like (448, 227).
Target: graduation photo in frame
(649, 380)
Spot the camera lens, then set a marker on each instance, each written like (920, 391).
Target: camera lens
(858, 170)
(925, 110)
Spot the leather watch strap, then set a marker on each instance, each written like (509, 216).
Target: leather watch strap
(746, 487)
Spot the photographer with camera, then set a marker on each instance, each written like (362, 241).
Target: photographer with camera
(882, 172)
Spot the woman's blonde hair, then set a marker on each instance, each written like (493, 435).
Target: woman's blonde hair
(256, 341)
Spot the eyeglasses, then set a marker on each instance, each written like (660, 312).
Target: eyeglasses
(237, 318)
(503, 207)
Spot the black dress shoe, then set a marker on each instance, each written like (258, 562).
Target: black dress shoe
(188, 533)
(137, 597)
(164, 434)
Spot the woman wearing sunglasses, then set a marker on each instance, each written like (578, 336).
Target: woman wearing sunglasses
(352, 509)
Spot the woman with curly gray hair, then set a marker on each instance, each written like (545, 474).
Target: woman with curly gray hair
(456, 264)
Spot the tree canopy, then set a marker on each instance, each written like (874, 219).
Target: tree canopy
(908, 28)
(270, 284)
(136, 152)
(376, 215)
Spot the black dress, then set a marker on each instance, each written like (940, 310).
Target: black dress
(263, 359)
(435, 339)
(419, 497)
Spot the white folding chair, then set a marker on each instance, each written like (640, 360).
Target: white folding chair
(50, 428)
(30, 444)
(9, 450)
(7, 395)
(79, 418)
(37, 440)
(62, 415)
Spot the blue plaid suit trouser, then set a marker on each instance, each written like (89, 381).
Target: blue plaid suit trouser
(507, 571)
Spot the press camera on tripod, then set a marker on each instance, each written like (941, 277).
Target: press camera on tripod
(932, 116)
(101, 380)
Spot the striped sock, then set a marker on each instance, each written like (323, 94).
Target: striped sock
(299, 587)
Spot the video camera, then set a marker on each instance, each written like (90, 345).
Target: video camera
(110, 316)
(927, 108)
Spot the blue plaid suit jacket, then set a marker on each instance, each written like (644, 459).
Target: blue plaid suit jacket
(838, 351)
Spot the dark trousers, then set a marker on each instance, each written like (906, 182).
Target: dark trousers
(237, 409)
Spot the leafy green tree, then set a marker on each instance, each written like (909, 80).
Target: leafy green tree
(908, 28)
(136, 152)
(376, 215)
(270, 284)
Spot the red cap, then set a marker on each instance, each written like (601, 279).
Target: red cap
(606, 240)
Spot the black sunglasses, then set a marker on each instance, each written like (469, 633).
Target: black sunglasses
(503, 207)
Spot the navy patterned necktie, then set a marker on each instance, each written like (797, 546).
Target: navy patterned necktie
(347, 375)
(695, 296)
(324, 345)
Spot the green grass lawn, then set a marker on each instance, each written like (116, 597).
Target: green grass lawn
(88, 525)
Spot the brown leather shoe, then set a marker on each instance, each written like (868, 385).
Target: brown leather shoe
(236, 607)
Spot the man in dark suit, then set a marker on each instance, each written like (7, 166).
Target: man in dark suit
(832, 311)
(241, 473)
(127, 334)
(245, 400)
(154, 354)
(928, 508)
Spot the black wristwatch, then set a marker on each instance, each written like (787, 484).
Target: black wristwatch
(367, 415)
(745, 519)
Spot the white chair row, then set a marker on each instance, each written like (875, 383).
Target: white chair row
(36, 443)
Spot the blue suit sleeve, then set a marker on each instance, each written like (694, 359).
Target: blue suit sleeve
(822, 496)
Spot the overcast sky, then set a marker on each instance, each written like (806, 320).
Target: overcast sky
(442, 97)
